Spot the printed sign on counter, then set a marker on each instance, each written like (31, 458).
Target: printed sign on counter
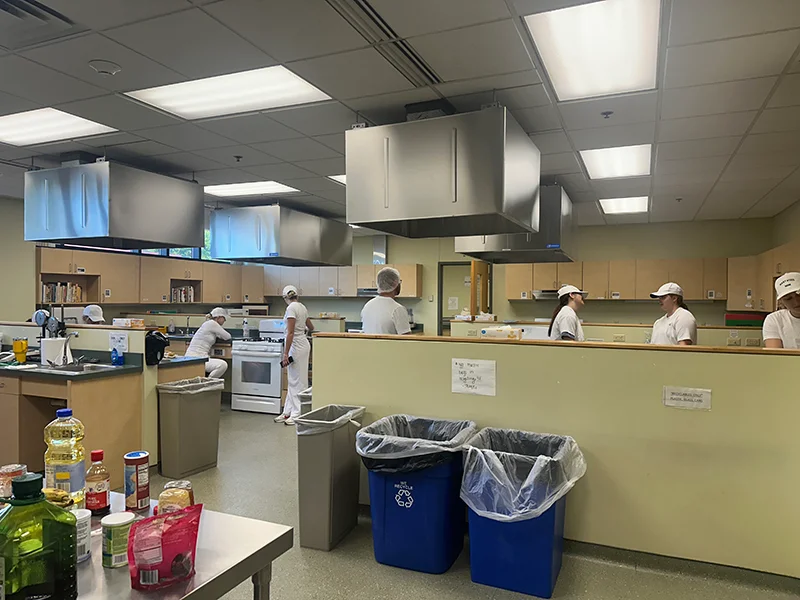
(691, 398)
(118, 340)
(476, 377)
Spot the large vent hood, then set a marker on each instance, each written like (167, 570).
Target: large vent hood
(279, 236)
(551, 244)
(112, 206)
(468, 174)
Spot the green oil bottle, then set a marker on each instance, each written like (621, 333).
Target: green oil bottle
(38, 558)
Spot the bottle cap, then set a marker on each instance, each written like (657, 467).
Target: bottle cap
(97, 455)
(64, 412)
(26, 487)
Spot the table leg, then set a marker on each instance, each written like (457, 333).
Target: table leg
(261, 582)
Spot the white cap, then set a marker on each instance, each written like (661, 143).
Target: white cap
(570, 289)
(786, 284)
(667, 289)
(94, 313)
(290, 292)
(219, 312)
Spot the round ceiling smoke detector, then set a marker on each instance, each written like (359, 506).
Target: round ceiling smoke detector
(105, 67)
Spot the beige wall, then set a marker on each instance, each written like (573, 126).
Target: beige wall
(716, 486)
(453, 287)
(786, 225)
(18, 272)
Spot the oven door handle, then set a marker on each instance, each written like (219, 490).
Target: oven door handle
(256, 354)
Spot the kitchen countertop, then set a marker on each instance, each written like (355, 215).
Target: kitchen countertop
(180, 361)
(53, 375)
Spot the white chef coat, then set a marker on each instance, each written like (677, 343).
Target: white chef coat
(781, 325)
(299, 313)
(677, 327)
(567, 322)
(385, 315)
(205, 337)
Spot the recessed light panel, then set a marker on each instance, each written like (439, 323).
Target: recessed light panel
(46, 125)
(599, 48)
(624, 161)
(624, 206)
(339, 178)
(247, 91)
(251, 188)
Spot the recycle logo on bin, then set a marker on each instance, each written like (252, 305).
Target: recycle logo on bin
(403, 498)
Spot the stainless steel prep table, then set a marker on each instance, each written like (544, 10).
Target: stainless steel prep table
(230, 550)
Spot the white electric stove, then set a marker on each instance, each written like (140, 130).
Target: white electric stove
(256, 380)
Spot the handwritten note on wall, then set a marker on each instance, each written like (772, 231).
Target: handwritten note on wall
(477, 377)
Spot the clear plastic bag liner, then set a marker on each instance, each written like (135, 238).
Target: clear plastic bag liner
(512, 475)
(327, 418)
(196, 385)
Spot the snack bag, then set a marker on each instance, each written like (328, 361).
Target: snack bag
(161, 550)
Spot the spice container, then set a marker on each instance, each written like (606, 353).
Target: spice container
(116, 530)
(137, 480)
(84, 540)
(7, 473)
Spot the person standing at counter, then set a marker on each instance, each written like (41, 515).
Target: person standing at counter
(296, 351)
(205, 337)
(782, 327)
(383, 314)
(93, 315)
(678, 327)
(565, 324)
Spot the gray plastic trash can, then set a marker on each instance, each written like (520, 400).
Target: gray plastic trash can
(305, 401)
(328, 470)
(188, 428)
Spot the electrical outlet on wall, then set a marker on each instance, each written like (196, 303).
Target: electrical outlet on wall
(619, 337)
(734, 341)
(752, 342)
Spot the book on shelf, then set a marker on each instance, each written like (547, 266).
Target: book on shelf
(62, 292)
(184, 293)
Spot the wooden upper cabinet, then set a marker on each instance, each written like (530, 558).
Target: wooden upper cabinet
(650, 275)
(545, 276)
(365, 276)
(328, 281)
(309, 281)
(765, 287)
(411, 276)
(595, 279)
(253, 284)
(155, 275)
(742, 282)
(222, 283)
(570, 274)
(786, 258)
(347, 282)
(715, 278)
(54, 260)
(119, 275)
(290, 276)
(622, 280)
(272, 280)
(519, 281)
(687, 273)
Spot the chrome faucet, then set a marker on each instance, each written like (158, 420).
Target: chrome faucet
(67, 337)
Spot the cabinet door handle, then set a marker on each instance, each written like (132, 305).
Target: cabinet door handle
(2, 385)
(454, 159)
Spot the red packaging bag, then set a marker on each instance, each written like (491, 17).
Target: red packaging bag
(161, 549)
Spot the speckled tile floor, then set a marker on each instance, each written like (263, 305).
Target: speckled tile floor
(257, 477)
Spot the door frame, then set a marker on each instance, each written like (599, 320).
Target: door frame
(440, 288)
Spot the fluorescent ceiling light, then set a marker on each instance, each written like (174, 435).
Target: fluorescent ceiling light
(624, 206)
(251, 188)
(46, 125)
(600, 48)
(260, 89)
(625, 161)
(339, 178)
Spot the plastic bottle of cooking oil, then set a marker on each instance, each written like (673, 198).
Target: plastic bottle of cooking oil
(65, 458)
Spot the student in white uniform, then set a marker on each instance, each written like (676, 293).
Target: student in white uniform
(383, 314)
(205, 337)
(93, 315)
(296, 350)
(565, 324)
(678, 326)
(782, 328)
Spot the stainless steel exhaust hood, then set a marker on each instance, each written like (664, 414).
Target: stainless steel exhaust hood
(112, 206)
(551, 244)
(279, 236)
(467, 174)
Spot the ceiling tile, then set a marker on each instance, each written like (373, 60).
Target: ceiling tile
(692, 21)
(630, 108)
(709, 167)
(715, 98)
(118, 112)
(551, 143)
(73, 56)
(352, 74)
(417, 17)
(186, 136)
(535, 120)
(694, 128)
(249, 129)
(634, 219)
(29, 80)
(531, 7)
(146, 148)
(779, 199)
(479, 51)
(390, 108)
(527, 96)
(317, 184)
(8, 152)
(611, 137)
(247, 156)
(334, 141)
(221, 176)
(753, 167)
(483, 84)
(59, 147)
(110, 139)
(338, 195)
(325, 166)
(10, 104)
(723, 146)
(621, 188)
(756, 56)
(788, 92)
(555, 164)
(297, 149)
(580, 197)
(778, 119)
(12, 182)
(668, 180)
(732, 199)
(320, 119)
(665, 208)
(101, 14)
(766, 143)
(178, 163)
(587, 213)
(575, 182)
(192, 43)
(280, 172)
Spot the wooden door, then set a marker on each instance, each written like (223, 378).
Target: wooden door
(622, 279)
(687, 273)
(329, 281)
(290, 276)
(272, 280)
(55, 261)
(309, 281)
(347, 282)
(232, 278)
(411, 277)
(253, 284)
(119, 278)
(545, 276)
(479, 287)
(519, 281)
(365, 276)
(570, 274)
(154, 279)
(214, 283)
(650, 275)
(595, 279)
(765, 298)
(742, 282)
(715, 278)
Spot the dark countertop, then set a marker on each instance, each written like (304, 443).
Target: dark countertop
(180, 361)
(53, 375)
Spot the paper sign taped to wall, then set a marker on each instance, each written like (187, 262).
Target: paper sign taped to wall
(476, 377)
(691, 398)
(468, 281)
(118, 340)
(452, 303)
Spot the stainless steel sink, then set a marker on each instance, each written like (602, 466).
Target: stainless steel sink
(81, 368)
